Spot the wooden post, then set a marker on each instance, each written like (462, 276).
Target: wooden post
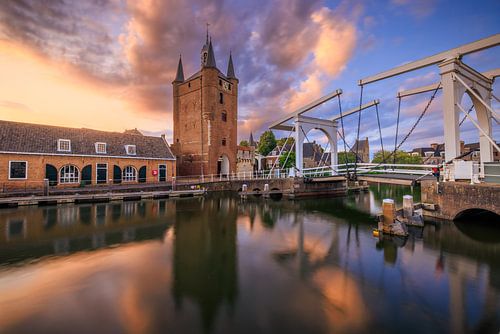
(407, 206)
(388, 211)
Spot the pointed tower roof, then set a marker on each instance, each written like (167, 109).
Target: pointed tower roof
(211, 56)
(230, 68)
(251, 142)
(180, 72)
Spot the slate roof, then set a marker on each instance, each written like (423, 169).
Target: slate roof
(36, 138)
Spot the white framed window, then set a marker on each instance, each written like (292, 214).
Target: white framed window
(129, 173)
(18, 170)
(64, 145)
(100, 147)
(428, 154)
(69, 174)
(162, 172)
(130, 149)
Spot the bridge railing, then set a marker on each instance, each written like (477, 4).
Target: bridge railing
(368, 168)
(235, 176)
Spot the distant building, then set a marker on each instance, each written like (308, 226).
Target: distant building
(362, 147)
(31, 153)
(205, 113)
(245, 159)
(434, 154)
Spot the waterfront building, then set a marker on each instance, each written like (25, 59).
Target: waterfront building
(205, 113)
(69, 157)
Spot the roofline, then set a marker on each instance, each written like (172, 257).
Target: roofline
(88, 155)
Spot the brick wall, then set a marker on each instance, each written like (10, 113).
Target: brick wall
(37, 163)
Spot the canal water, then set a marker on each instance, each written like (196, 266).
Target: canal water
(222, 265)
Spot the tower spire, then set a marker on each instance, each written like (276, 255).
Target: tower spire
(179, 77)
(208, 24)
(230, 67)
(211, 55)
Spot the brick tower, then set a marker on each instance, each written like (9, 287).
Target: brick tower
(205, 117)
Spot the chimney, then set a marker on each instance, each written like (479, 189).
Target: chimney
(434, 146)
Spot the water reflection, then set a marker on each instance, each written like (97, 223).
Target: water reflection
(32, 233)
(219, 264)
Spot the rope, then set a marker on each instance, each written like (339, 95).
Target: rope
(397, 131)
(380, 132)
(343, 136)
(357, 135)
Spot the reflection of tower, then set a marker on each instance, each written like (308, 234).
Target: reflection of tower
(205, 268)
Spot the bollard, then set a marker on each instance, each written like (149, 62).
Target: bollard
(407, 206)
(388, 211)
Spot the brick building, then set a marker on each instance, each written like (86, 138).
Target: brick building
(69, 157)
(205, 113)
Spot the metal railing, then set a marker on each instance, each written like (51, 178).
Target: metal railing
(369, 168)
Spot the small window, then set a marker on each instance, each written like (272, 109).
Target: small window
(223, 141)
(129, 173)
(220, 82)
(18, 170)
(428, 154)
(100, 147)
(69, 174)
(130, 149)
(64, 145)
(224, 116)
(221, 98)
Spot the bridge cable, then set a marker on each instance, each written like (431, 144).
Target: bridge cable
(397, 130)
(411, 129)
(343, 136)
(380, 132)
(357, 135)
(279, 153)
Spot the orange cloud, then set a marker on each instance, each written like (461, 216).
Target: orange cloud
(37, 89)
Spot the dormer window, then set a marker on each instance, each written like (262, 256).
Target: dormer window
(100, 148)
(64, 145)
(130, 149)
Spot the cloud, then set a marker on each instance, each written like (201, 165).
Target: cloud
(419, 9)
(285, 53)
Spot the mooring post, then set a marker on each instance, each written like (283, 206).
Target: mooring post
(388, 211)
(244, 190)
(407, 206)
(266, 190)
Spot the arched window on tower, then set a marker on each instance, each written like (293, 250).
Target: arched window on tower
(221, 98)
(223, 141)
(224, 116)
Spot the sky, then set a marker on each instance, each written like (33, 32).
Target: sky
(109, 64)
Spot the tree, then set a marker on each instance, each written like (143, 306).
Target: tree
(401, 158)
(244, 143)
(281, 142)
(290, 162)
(341, 157)
(267, 142)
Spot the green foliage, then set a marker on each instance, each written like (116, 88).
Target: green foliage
(281, 142)
(244, 143)
(267, 142)
(401, 158)
(351, 157)
(290, 162)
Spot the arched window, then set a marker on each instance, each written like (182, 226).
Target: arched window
(221, 98)
(69, 174)
(224, 116)
(129, 173)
